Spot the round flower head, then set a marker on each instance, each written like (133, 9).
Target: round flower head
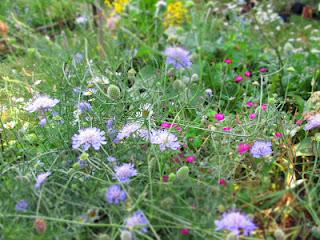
(128, 130)
(250, 104)
(88, 137)
(165, 140)
(84, 107)
(261, 149)
(22, 206)
(264, 70)
(137, 220)
(227, 129)
(115, 195)
(178, 57)
(124, 172)
(264, 107)
(243, 148)
(314, 122)
(41, 179)
(236, 222)
(41, 103)
(248, 74)
(228, 61)
(238, 79)
(219, 116)
(252, 116)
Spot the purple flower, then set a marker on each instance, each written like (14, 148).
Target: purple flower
(165, 140)
(137, 220)
(128, 130)
(89, 137)
(84, 107)
(111, 159)
(110, 124)
(43, 122)
(314, 122)
(261, 149)
(83, 163)
(236, 222)
(178, 57)
(124, 172)
(115, 194)
(22, 205)
(41, 179)
(41, 103)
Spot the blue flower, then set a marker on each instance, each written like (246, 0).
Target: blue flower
(88, 137)
(127, 131)
(137, 220)
(178, 57)
(124, 172)
(22, 205)
(84, 107)
(236, 222)
(115, 195)
(165, 140)
(261, 149)
(41, 103)
(314, 122)
(41, 179)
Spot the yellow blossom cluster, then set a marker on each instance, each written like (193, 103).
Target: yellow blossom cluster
(176, 14)
(118, 5)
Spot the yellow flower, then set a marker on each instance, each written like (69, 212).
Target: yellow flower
(118, 5)
(176, 14)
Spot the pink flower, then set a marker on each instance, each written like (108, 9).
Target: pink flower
(248, 74)
(228, 61)
(278, 135)
(171, 125)
(191, 159)
(165, 178)
(227, 129)
(222, 182)
(250, 104)
(185, 231)
(299, 122)
(252, 116)
(264, 107)
(238, 79)
(264, 70)
(219, 116)
(243, 148)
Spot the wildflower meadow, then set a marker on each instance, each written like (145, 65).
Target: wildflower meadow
(159, 119)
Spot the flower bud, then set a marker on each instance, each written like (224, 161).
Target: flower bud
(113, 92)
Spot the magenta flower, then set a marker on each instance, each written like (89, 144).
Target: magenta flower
(185, 231)
(264, 70)
(278, 135)
(222, 182)
(299, 122)
(219, 116)
(248, 74)
(264, 107)
(238, 79)
(243, 148)
(171, 125)
(250, 104)
(252, 116)
(165, 178)
(227, 129)
(191, 159)
(228, 61)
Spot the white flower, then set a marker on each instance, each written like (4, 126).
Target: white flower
(41, 103)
